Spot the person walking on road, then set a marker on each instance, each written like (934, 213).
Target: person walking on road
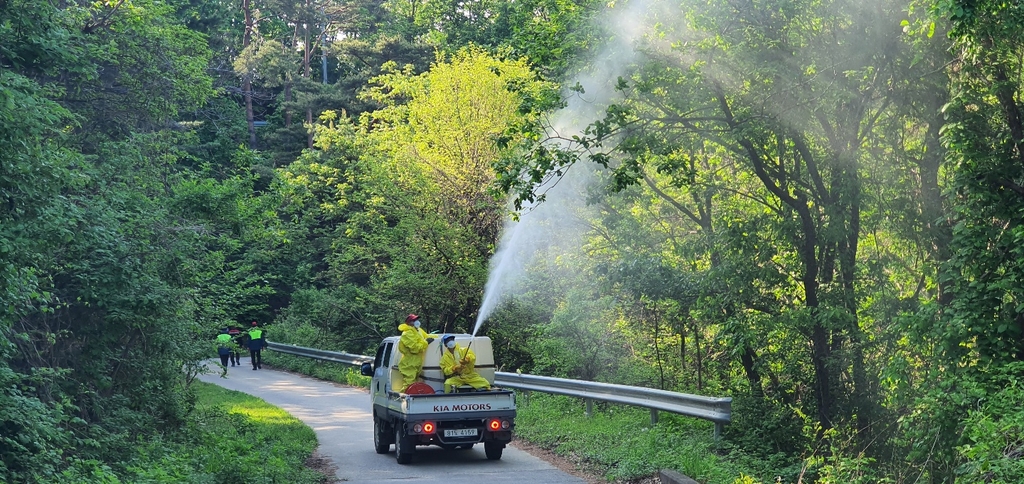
(413, 346)
(257, 341)
(224, 349)
(458, 364)
(236, 345)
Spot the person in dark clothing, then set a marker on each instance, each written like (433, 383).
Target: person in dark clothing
(257, 341)
(236, 347)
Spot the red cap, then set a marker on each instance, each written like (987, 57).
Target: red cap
(411, 318)
(254, 323)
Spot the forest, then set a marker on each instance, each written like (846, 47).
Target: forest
(811, 206)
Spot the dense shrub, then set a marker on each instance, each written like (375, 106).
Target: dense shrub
(994, 431)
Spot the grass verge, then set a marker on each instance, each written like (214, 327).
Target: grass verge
(230, 437)
(620, 441)
(247, 436)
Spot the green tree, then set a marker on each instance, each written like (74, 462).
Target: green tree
(980, 333)
(444, 141)
(984, 137)
(789, 100)
(33, 169)
(399, 207)
(100, 322)
(148, 69)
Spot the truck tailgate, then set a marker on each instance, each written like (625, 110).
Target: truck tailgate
(460, 403)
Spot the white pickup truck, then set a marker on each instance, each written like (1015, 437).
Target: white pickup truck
(450, 420)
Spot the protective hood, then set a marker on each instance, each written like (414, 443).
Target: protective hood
(405, 327)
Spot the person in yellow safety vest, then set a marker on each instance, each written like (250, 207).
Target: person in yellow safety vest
(257, 341)
(413, 347)
(224, 349)
(458, 363)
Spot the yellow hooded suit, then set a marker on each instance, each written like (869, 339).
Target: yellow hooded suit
(413, 346)
(458, 365)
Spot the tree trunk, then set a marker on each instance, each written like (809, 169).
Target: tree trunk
(247, 80)
(657, 349)
(821, 352)
(682, 345)
(307, 52)
(287, 99)
(700, 359)
(940, 232)
(309, 124)
(747, 358)
(864, 401)
(1006, 95)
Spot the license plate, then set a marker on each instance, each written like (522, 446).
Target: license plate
(460, 433)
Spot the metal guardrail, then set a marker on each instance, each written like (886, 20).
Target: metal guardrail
(717, 410)
(335, 356)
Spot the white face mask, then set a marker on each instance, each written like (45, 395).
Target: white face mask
(451, 344)
(416, 323)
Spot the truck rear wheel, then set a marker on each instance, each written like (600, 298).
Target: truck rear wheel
(404, 447)
(381, 436)
(493, 450)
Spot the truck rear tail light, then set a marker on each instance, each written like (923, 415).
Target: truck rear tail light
(428, 428)
(505, 425)
(424, 428)
(495, 424)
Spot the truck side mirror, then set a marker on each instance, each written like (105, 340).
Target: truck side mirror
(366, 369)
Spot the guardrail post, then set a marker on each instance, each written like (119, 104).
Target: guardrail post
(654, 417)
(719, 427)
(590, 406)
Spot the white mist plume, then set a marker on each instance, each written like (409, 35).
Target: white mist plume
(555, 222)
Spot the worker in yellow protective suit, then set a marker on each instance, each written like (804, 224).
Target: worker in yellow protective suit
(413, 346)
(458, 363)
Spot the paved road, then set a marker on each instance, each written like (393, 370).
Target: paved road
(341, 418)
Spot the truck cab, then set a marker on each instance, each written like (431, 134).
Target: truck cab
(429, 416)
